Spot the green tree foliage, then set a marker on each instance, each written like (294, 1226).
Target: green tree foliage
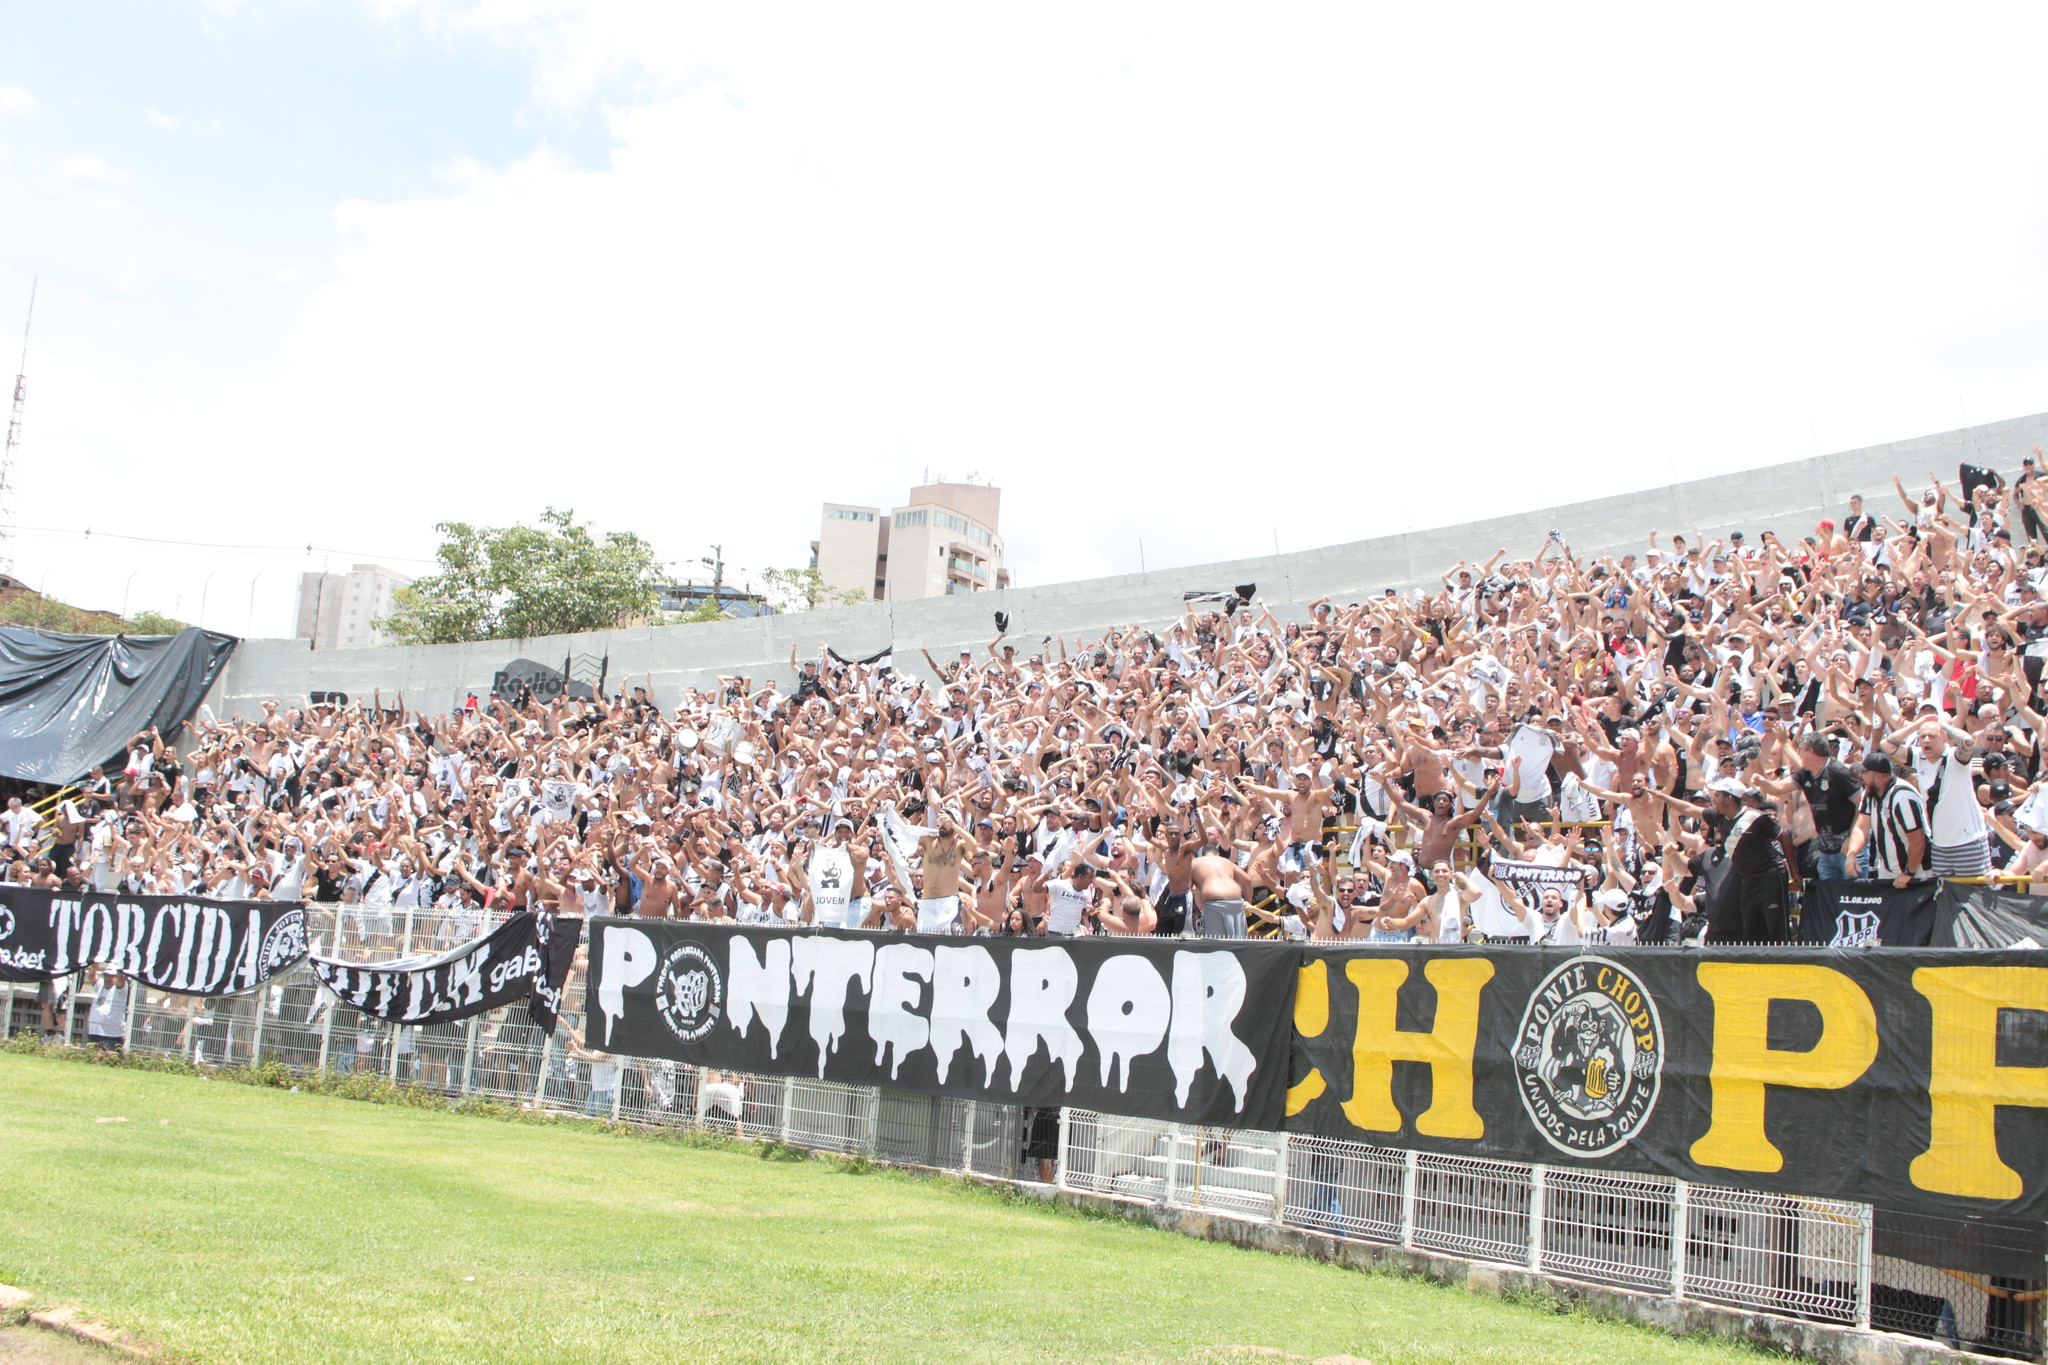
(517, 582)
(152, 623)
(46, 613)
(706, 610)
(805, 590)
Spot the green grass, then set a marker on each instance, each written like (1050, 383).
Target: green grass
(34, 1346)
(247, 1224)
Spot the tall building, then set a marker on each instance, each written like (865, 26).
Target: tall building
(340, 610)
(943, 541)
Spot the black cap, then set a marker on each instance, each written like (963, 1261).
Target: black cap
(1877, 763)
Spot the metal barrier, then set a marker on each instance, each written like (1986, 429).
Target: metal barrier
(1805, 1258)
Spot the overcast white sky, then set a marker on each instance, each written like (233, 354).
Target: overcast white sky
(1199, 277)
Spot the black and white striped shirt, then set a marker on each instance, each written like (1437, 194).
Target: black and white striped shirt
(1893, 815)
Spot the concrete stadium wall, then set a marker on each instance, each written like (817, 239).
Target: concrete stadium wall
(1787, 499)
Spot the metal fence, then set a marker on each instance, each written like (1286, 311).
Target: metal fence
(1804, 1258)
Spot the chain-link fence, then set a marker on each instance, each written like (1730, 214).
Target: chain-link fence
(1804, 1258)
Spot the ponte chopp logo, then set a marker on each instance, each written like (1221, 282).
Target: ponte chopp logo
(690, 992)
(6, 923)
(1589, 1056)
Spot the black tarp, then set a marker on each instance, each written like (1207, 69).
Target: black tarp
(1989, 917)
(70, 701)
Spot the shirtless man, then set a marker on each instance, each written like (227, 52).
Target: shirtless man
(1429, 766)
(524, 892)
(1175, 858)
(1643, 808)
(1220, 887)
(661, 895)
(1441, 822)
(1403, 913)
(1127, 912)
(1343, 917)
(945, 853)
(1304, 801)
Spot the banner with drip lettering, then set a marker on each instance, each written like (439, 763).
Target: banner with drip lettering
(188, 945)
(1165, 1028)
(1912, 1079)
(525, 958)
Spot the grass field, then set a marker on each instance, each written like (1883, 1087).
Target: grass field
(236, 1223)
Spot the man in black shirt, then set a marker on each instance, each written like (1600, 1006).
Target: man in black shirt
(1749, 907)
(1859, 524)
(1832, 790)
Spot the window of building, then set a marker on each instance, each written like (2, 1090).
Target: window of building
(845, 514)
(951, 522)
(910, 518)
(979, 536)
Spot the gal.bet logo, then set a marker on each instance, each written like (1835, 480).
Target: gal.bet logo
(1589, 1057)
(690, 992)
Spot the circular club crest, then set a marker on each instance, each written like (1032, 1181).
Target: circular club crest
(689, 992)
(1589, 1057)
(6, 923)
(283, 944)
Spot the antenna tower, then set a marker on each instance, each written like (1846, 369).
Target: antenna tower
(7, 535)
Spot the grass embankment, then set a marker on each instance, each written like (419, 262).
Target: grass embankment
(246, 1223)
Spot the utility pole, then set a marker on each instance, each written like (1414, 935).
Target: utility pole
(717, 563)
(7, 532)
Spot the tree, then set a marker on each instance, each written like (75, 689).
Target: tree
(40, 613)
(706, 610)
(151, 623)
(517, 582)
(806, 590)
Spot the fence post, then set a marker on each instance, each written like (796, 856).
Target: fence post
(871, 1143)
(327, 1030)
(70, 1005)
(469, 1056)
(1536, 1203)
(1681, 1222)
(618, 1087)
(1282, 1156)
(7, 1012)
(967, 1140)
(262, 998)
(540, 1087)
(788, 1106)
(1059, 1166)
(1408, 1170)
(1864, 1234)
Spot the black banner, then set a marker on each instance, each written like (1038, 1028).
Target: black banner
(1154, 1027)
(1915, 1079)
(1989, 917)
(525, 958)
(1861, 914)
(184, 944)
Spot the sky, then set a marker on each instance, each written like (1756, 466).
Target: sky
(1188, 282)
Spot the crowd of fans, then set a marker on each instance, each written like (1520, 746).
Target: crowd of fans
(1698, 730)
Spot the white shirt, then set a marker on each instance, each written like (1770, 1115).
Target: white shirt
(1064, 906)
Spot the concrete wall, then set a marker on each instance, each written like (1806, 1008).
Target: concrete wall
(1786, 498)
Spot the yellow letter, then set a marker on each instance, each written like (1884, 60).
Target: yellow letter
(1311, 1017)
(1745, 1062)
(1446, 1048)
(1966, 1084)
